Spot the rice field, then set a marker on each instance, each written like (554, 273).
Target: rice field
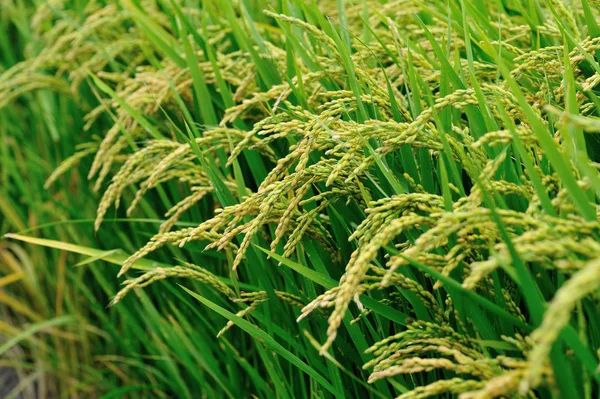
(300, 199)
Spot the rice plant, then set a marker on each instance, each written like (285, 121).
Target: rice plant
(307, 198)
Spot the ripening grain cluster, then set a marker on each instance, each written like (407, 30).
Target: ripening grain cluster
(363, 199)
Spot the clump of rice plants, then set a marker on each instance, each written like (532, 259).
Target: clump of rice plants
(381, 198)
